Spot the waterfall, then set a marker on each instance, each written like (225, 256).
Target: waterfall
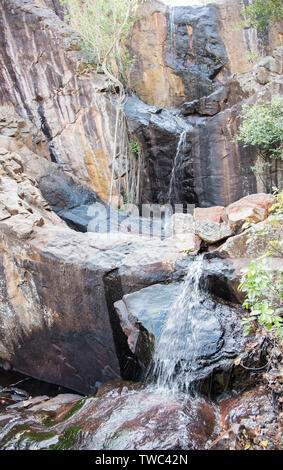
(183, 330)
(177, 160)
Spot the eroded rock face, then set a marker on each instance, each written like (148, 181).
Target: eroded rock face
(237, 247)
(188, 50)
(226, 262)
(142, 315)
(190, 157)
(213, 232)
(52, 86)
(23, 132)
(197, 340)
(212, 214)
(198, 66)
(69, 315)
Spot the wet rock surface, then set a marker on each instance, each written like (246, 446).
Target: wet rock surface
(158, 133)
(142, 315)
(121, 417)
(80, 309)
(126, 416)
(79, 346)
(213, 232)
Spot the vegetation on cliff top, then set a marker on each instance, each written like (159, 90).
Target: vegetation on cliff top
(261, 14)
(104, 26)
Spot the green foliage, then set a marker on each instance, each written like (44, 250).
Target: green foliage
(261, 14)
(134, 147)
(262, 127)
(103, 26)
(262, 284)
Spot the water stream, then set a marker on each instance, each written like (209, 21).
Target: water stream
(171, 21)
(177, 160)
(170, 380)
(179, 343)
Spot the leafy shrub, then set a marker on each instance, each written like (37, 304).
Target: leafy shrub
(262, 284)
(262, 127)
(261, 14)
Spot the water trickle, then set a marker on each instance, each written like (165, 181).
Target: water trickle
(182, 334)
(177, 160)
(171, 24)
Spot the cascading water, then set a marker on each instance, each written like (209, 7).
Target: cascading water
(160, 415)
(177, 160)
(179, 343)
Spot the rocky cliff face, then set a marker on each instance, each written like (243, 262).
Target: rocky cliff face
(59, 289)
(187, 52)
(49, 81)
(189, 56)
(57, 286)
(203, 63)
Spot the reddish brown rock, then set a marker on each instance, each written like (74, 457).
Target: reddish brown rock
(212, 214)
(57, 286)
(253, 208)
(180, 48)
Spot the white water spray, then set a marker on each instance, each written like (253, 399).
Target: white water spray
(179, 343)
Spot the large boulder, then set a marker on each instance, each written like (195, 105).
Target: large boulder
(225, 264)
(58, 286)
(253, 208)
(142, 315)
(213, 232)
(200, 337)
(70, 315)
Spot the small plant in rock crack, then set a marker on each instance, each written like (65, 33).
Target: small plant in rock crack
(134, 147)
